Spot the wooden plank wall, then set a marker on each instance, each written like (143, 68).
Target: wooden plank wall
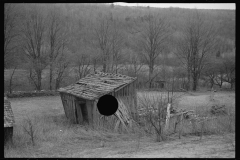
(64, 104)
(89, 106)
(134, 97)
(69, 106)
(71, 102)
(128, 94)
(95, 113)
(79, 111)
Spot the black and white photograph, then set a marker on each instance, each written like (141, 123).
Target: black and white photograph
(119, 80)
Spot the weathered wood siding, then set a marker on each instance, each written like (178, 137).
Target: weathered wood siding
(74, 113)
(95, 112)
(64, 104)
(89, 106)
(79, 112)
(128, 95)
(69, 106)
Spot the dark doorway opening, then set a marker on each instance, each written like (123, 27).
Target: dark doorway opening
(161, 85)
(8, 134)
(84, 112)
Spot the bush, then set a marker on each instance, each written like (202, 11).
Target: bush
(153, 114)
(30, 129)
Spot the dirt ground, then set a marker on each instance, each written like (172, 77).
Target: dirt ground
(57, 138)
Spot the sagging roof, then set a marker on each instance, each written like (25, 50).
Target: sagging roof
(8, 114)
(96, 85)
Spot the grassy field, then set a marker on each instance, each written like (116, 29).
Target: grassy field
(55, 136)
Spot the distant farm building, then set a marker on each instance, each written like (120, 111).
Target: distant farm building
(158, 84)
(8, 121)
(80, 99)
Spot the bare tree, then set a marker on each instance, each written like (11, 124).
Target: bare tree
(60, 71)
(229, 67)
(102, 35)
(94, 62)
(110, 41)
(11, 80)
(220, 70)
(223, 45)
(117, 43)
(217, 67)
(195, 46)
(183, 54)
(225, 71)
(211, 71)
(134, 66)
(83, 64)
(61, 66)
(219, 79)
(30, 129)
(154, 111)
(57, 40)
(151, 42)
(33, 32)
(10, 32)
(210, 75)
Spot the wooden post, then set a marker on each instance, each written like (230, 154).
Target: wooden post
(68, 107)
(94, 112)
(75, 103)
(181, 126)
(202, 126)
(90, 106)
(168, 96)
(64, 103)
(74, 110)
(172, 89)
(135, 102)
(167, 116)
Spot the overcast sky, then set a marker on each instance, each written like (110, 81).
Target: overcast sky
(184, 5)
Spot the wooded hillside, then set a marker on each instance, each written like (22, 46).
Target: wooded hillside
(57, 36)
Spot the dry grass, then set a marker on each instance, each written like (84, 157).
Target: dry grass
(57, 137)
(201, 103)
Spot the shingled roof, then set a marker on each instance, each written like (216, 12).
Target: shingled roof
(96, 85)
(8, 114)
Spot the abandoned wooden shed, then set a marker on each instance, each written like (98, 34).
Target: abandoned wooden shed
(80, 99)
(8, 121)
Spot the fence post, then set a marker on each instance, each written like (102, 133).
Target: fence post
(167, 116)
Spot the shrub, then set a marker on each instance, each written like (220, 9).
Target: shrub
(153, 111)
(30, 129)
